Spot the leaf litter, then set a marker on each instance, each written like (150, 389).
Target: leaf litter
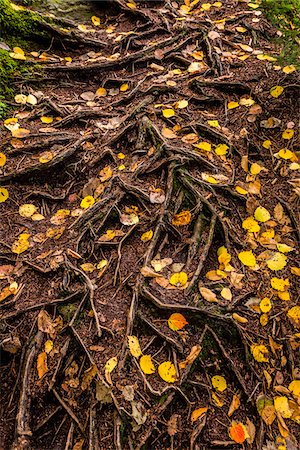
(151, 229)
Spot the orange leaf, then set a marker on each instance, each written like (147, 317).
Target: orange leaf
(238, 432)
(177, 321)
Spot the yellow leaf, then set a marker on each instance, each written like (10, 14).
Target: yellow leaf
(267, 144)
(247, 258)
(289, 69)
(239, 318)
(276, 91)
(206, 6)
(95, 20)
(280, 284)
(181, 104)
(101, 264)
(233, 105)
(208, 295)
(167, 113)
(277, 261)
(147, 365)
(255, 169)
(198, 413)
(88, 267)
(177, 321)
(216, 275)
(206, 146)
(4, 195)
(178, 279)
(265, 305)
(226, 293)
(238, 432)
(87, 202)
(251, 225)
(147, 236)
(129, 219)
(111, 364)
(224, 258)
(234, 405)
(45, 157)
(27, 210)
(42, 367)
(283, 248)
(121, 167)
(31, 99)
(88, 377)
(260, 353)
(213, 123)
(294, 315)
(294, 387)
(295, 271)
(124, 87)
(46, 119)
(120, 155)
(105, 174)
(48, 346)
(262, 214)
(209, 178)
(182, 218)
(134, 346)
(240, 190)
(288, 134)
(167, 371)
(218, 401)
(281, 405)
(21, 99)
(219, 383)
(264, 319)
(101, 92)
(246, 48)
(221, 149)
(247, 101)
(21, 244)
(264, 57)
(285, 153)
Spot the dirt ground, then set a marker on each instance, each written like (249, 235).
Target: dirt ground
(154, 131)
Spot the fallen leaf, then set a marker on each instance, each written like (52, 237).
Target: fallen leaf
(197, 413)
(178, 279)
(238, 432)
(260, 353)
(177, 321)
(147, 365)
(182, 218)
(234, 405)
(42, 367)
(134, 346)
(167, 371)
(219, 383)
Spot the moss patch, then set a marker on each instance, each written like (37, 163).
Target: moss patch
(285, 15)
(19, 24)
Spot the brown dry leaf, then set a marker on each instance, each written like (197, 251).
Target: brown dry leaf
(234, 405)
(195, 350)
(172, 425)
(150, 273)
(159, 264)
(88, 377)
(9, 290)
(42, 367)
(207, 294)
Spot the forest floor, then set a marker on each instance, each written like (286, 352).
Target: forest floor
(148, 236)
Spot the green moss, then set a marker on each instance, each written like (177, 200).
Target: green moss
(9, 69)
(16, 25)
(285, 15)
